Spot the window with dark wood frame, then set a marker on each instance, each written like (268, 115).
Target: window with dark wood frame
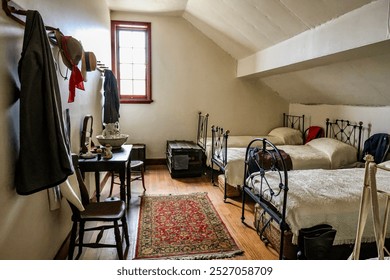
(131, 60)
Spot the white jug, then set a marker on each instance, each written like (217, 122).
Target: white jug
(111, 130)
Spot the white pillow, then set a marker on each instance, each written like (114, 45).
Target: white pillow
(384, 165)
(289, 135)
(340, 154)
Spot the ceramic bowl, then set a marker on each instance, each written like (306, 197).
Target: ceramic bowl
(116, 142)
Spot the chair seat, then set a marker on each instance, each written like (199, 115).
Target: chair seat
(136, 163)
(103, 211)
(137, 173)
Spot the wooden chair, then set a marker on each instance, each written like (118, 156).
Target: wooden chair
(112, 214)
(137, 168)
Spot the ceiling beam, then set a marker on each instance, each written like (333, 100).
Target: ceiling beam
(362, 32)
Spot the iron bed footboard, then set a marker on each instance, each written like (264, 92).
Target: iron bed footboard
(259, 162)
(201, 136)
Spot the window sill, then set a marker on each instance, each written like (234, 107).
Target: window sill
(135, 101)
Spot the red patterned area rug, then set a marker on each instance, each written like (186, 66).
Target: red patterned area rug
(182, 227)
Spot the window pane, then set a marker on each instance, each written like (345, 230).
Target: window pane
(139, 71)
(126, 87)
(139, 55)
(139, 39)
(126, 71)
(126, 55)
(139, 87)
(125, 38)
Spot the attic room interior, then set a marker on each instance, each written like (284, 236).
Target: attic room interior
(217, 76)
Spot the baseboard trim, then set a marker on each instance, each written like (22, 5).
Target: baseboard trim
(156, 161)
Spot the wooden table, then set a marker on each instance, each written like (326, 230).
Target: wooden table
(120, 163)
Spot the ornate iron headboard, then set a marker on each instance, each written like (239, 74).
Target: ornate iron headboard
(345, 131)
(297, 122)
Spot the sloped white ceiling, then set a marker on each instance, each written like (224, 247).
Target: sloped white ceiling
(258, 24)
(244, 27)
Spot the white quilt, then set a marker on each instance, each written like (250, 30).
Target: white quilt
(277, 136)
(323, 153)
(328, 196)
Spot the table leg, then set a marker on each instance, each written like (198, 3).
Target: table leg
(97, 183)
(128, 182)
(122, 186)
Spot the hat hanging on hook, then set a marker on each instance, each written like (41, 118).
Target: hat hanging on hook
(88, 64)
(70, 48)
(71, 53)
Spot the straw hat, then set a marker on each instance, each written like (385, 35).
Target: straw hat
(71, 52)
(88, 64)
(70, 48)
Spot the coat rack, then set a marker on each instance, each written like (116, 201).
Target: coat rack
(101, 67)
(13, 11)
(17, 13)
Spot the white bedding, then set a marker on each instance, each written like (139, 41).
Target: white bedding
(331, 197)
(240, 142)
(277, 136)
(323, 153)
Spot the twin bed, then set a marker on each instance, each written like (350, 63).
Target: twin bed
(340, 148)
(328, 193)
(291, 200)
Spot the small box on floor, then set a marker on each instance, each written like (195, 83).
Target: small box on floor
(230, 190)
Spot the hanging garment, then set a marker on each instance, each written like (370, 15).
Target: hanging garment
(111, 98)
(44, 156)
(377, 145)
(314, 132)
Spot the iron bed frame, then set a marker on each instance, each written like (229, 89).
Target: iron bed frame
(201, 137)
(258, 165)
(219, 150)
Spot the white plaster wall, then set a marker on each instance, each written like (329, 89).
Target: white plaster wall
(28, 229)
(190, 73)
(375, 118)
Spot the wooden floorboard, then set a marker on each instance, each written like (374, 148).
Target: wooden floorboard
(159, 181)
